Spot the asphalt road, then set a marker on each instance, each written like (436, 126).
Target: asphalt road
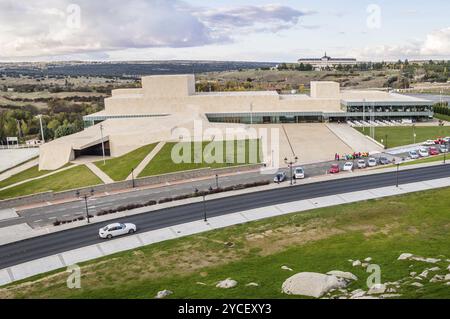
(30, 249)
(46, 215)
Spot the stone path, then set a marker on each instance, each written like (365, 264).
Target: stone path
(100, 174)
(146, 160)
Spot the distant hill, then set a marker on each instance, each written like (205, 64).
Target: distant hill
(125, 69)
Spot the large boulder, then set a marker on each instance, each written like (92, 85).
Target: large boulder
(342, 274)
(312, 284)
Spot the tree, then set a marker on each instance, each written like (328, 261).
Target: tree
(65, 129)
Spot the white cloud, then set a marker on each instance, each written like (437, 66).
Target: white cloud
(435, 45)
(31, 28)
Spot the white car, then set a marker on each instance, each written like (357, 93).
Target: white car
(413, 155)
(372, 162)
(446, 139)
(348, 166)
(117, 229)
(299, 173)
(429, 143)
(423, 152)
(443, 149)
(361, 163)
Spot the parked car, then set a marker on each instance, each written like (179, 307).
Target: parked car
(348, 166)
(443, 148)
(423, 152)
(428, 142)
(384, 160)
(279, 177)
(361, 163)
(446, 139)
(413, 154)
(299, 173)
(433, 151)
(334, 169)
(117, 229)
(372, 162)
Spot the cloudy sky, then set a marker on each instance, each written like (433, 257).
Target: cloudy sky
(250, 30)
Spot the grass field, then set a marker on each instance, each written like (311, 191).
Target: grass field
(404, 135)
(120, 167)
(319, 241)
(162, 163)
(24, 175)
(79, 176)
(442, 117)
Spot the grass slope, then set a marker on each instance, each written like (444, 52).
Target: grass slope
(319, 241)
(120, 167)
(162, 163)
(398, 136)
(24, 175)
(79, 176)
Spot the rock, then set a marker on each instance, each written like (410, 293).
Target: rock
(377, 289)
(227, 283)
(311, 284)
(358, 293)
(412, 273)
(200, 283)
(342, 274)
(368, 259)
(424, 274)
(286, 268)
(351, 260)
(405, 256)
(447, 277)
(252, 284)
(418, 278)
(163, 293)
(416, 284)
(364, 265)
(448, 268)
(391, 290)
(448, 283)
(356, 263)
(432, 260)
(437, 278)
(385, 296)
(434, 269)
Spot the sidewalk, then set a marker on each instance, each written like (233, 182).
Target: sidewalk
(146, 161)
(106, 248)
(99, 173)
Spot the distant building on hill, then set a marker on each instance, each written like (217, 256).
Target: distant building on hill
(327, 62)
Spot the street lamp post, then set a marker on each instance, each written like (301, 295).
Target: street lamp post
(103, 144)
(204, 204)
(42, 128)
(132, 177)
(398, 168)
(217, 181)
(386, 143)
(291, 163)
(447, 145)
(86, 197)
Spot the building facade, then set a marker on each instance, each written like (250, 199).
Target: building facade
(327, 62)
(137, 117)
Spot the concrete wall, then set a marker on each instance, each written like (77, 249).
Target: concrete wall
(168, 86)
(140, 182)
(325, 89)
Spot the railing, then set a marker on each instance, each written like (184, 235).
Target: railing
(12, 147)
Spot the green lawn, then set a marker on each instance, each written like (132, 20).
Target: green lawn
(24, 175)
(318, 241)
(404, 135)
(120, 167)
(442, 117)
(162, 163)
(76, 177)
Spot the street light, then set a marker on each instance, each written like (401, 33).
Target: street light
(85, 197)
(291, 163)
(103, 144)
(217, 181)
(132, 177)
(398, 168)
(447, 145)
(204, 204)
(42, 129)
(386, 143)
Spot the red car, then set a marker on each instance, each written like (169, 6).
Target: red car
(439, 141)
(334, 169)
(433, 151)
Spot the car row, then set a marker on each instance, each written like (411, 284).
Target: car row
(428, 151)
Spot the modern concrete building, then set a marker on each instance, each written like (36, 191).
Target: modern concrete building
(327, 62)
(136, 117)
